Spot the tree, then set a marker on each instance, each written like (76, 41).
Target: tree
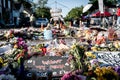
(43, 12)
(74, 13)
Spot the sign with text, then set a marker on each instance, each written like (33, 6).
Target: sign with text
(57, 64)
(109, 58)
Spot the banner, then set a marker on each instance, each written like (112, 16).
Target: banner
(109, 58)
(100, 3)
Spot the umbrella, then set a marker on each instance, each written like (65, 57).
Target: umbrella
(98, 14)
(87, 7)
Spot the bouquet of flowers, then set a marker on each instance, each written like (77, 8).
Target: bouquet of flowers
(20, 49)
(77, 55)
(106, 73)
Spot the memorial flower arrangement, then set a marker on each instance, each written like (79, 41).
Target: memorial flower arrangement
(106, 73)
(9, 34)
(97, 71)
(77, 55)
(20, 49)
(112, 46)
(39, 49)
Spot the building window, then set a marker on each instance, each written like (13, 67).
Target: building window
(9, 4)
(4, 3)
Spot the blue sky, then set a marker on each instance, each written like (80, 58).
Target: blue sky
(66, 5)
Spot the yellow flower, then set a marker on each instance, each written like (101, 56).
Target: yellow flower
(81, 47)
(15, 46)
(100, 72)
(1, 60)
(103, 70)
(93, 56)
(88, 54)
(94, 48)
(5, 64)
(73, 46)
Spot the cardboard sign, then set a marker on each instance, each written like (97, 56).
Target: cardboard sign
(109, 58)
(58, 65)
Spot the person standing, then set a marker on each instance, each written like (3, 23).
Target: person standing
(114, 18)
(32, 18)
(88, 22)
(118, 15)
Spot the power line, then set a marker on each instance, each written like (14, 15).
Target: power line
(55, 2)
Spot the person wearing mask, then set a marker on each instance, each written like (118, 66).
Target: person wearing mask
(118, 14)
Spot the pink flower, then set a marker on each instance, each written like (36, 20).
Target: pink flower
(20, 39)
(70, 76)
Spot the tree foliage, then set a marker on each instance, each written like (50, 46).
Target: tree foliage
(43, 12)
(74, 13)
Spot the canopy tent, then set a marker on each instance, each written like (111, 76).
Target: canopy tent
(98, 14)
(87, 7)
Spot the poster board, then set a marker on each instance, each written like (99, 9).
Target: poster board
(58, 65)
(108, 58)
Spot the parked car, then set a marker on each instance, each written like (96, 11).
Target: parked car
(41, 21)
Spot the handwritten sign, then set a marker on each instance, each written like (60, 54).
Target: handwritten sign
(57, 64)
(109, 58)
